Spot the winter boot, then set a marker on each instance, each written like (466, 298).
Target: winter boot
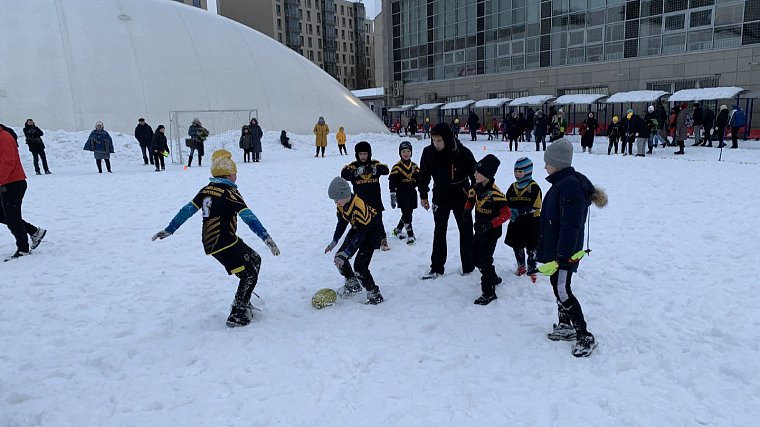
(374, 297)
(199, 160)
(431, 275)
(520, 270)
(680, 148)
(485, 299)
(410, 234)
(190, 161)
(350, 287)
(37, 237)
(397, 232)
(584, 345)
(241, 315)
(18, 254)
(562, 332)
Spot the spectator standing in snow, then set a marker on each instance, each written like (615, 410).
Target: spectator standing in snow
(708, 124)
(614, 133)
(198, 135)
(563, 218)
(12, 188)
(489, 125)
(256, 135)
(160, 146)
(737, 120)
(699, 119)
(101, 145)
(451, 166)
(473, 124)
(541, 125)
(144, 135)
(404, 125)
(629, 132)
(246, 143)
(587, 136)
(682, 132)
(491, 211)
(530, 118)
(285, 140)
(366, 230)
(341, 138)
(720, 125)
(650, 121)
(514, 130)
(412, 125)
(426, 128)
(33, 136)
(662, 121)
(222, 203)
(321, 130)
(455, 128)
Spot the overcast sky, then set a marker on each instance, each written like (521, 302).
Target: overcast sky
(373, 8)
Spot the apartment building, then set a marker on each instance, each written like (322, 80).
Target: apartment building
(333, 34)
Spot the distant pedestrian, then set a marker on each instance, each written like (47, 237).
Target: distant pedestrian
(33, 136)
(101, 145)
(321, 130)
(144, 136)
(160, 148)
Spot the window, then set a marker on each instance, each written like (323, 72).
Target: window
(576, 55)
(319, 43)
(674, 43)
(675, 22)
(701, 18)
(729, 14)
(576, 38)
(308, 15)
(675, 5)
(613, 51)
(649, 46)
(279, 37)
(650, 27)
(277, 8)
(615, 32)
(699, 40)
(594, 35)
(752, 11)
(594, 53)
(308, 40)
(729, 36)
(279, 24)
(751, 33)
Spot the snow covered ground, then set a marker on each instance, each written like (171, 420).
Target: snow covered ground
(102, 327)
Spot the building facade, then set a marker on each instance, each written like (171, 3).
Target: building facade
(203, 4)
(333, 34)
(449, 50)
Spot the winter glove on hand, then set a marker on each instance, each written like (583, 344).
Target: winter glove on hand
(393, 200)
(482, 227)
(340, 259)
(549, 268)
(163, 234)
(569, 263)
(272, 246)
(514, 214)
(331, 246)
(359, 171)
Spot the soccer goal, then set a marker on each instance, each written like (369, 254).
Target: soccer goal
(224, 128)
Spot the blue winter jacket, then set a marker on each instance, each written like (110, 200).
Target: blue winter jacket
(563, 216)
(99, 141)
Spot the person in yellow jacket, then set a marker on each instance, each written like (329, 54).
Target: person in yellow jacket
(321, 130)
(341, 138)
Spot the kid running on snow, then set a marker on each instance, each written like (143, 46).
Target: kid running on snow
(364, 175)
(491, 211)
(341, 138)
(403, 186)
(361, 240)
(524, 198)
(221, 203)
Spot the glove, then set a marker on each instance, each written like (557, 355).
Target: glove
(569, 263)
(340, 259)
(373, 170)
(331, 246)
(359, 171)
(163, 234)
(514, 214)
(272, 246)
(482, 227)
(393, 200)
(549, 268)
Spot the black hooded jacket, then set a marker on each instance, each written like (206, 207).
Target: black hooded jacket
(452, 169)
(144, 134)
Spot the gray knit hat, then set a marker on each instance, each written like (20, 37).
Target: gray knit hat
(338, 189)
(559, 154)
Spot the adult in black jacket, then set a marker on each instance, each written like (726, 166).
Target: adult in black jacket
(514, 130)
(33, 136)
(642, 134)
(698, 116)
(412, 125)
(587, 139)
(720, 125)
(144, 135)
(530, 117)
(650, 120)
(473, 123)
(159, 147)
(563, 216)
(452, 166)
(541, 124)
(708, 123)
(662, 121)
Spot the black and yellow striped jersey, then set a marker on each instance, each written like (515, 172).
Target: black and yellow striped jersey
(525, 200)
(489, 203)
(404, 176)
(362, 218)
(220, 205)
(365, 180)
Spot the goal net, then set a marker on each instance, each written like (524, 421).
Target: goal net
(224, 128)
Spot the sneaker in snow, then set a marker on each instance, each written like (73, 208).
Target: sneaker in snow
(398, 233)
(533, 278)
(240, 316)
(485, 299)
(37, 237)
(584, 346)
(351, 287)
(410, 241)
(374, 297)
(431, 275)
(520, 270)
(384, 245)
(562, 332)
(18, 254)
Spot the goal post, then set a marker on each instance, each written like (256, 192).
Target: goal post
(224, 128)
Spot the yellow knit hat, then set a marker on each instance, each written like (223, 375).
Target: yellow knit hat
(222, 163)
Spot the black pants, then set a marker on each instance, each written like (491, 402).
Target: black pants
(441, 217)
(474, 134)
(569, 310)
(707, 135)
(510, 143)
(406, 221)
(342, 149)
(248, 279)
(734, 136)
(158, 159)
(246, 155)
(540, 141)
(146, 154)
(37, 155)
(256, 155)
(613, 143)
(520, 257)
(10, 214)
(721, 136)
(483, 247)
(323, 151)
(100, 165)
(362, 259)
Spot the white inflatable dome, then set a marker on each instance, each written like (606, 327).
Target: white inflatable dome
(69, 64)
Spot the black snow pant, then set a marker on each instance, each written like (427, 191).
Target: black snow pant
(158, 160)
(342, 149)
(406, 221)
(483, 247)
(569, 310)
(540, 141)
(474, 134)
(734, 136)
(10, 214)
(464, 223)
(363, 258)
(510, 143)
(37, 155)
(100, 165)
(245, 263)
(520, 257)
(614, 143)
(146, 154)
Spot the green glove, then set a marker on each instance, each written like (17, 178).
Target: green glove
(549, 268)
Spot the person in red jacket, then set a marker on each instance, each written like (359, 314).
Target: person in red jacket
(12, 189)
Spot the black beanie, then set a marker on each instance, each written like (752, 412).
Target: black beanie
(405, 145)
(487, 166)
(363, 147)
